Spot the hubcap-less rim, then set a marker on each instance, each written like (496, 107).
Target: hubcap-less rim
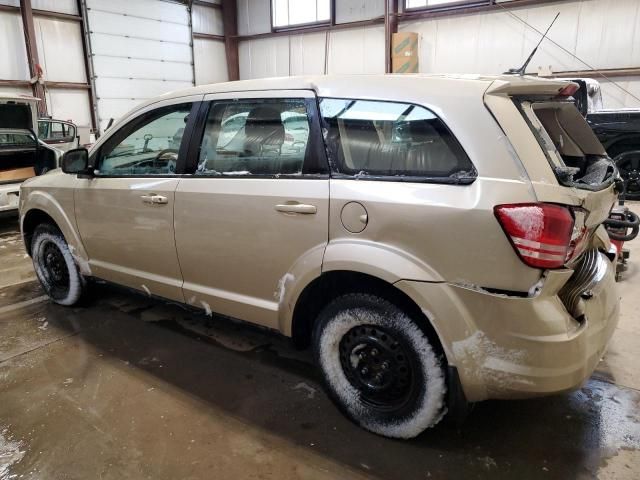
(376, 364)
(629, 167)
(54, 268)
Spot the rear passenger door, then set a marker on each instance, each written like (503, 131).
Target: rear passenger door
(251, 221)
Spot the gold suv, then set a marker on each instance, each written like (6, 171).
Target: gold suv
(436, 240)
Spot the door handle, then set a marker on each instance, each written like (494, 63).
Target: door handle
(296, 208)
(154, 199)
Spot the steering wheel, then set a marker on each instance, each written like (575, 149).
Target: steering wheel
(171, 160)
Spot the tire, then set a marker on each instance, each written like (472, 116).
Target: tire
(628, 163)
(379, 367)
(55, 267)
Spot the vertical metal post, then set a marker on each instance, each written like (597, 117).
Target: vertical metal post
(193, 52)
(88, 65)
(390, 27)
(230, 24)
(32, 56)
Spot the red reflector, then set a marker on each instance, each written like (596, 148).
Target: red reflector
(569, 90)
(540, 232)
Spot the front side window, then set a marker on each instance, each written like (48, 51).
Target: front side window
(389, 139)
(16, 140)
(149, 146)
(255, 137)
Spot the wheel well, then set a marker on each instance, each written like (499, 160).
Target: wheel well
(623, 145)
(32, 219)
(331, 285)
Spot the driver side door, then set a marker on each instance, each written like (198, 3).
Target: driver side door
(125, 211)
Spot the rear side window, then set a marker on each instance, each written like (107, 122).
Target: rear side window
(255, 137)
(387, 139)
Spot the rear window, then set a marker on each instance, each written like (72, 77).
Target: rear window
(391, 140)
(575, 153)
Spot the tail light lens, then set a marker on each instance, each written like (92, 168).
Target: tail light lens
(541, 233)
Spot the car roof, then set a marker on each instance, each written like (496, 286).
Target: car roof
(372, 86)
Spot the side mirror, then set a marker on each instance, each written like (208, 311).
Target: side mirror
(76, 161)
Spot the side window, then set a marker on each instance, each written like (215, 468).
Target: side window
(43, 130)
(70, 131)
(147, 146)
(16, 139)
(390, 139)
(255, 137)
(57, 131)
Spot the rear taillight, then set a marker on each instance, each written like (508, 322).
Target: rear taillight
(541, 233)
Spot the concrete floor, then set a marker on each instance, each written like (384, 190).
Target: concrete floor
(129, 387)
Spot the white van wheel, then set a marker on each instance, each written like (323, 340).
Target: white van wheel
(54, 265)
(379, 366)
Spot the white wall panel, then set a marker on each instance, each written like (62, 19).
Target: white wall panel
(207, 20)
(140, 49)
(13, 56)
(609, 33)
(307, 53)
(605, 33)
(12, 3)
(135, 90)
(143, 9)
(16, 90)
(71, 105)
(117, 24)
(267, 57)
(62, 6)
(615, 97)
(113, 67)
(210, 61)
(354, 10)
(102, 45)
(357, 50)
(60, 50)
(254, 16)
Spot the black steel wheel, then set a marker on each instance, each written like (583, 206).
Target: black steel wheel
(628, 164)
(379, 367)
(54, 269)
(376, 363)
(54, 265)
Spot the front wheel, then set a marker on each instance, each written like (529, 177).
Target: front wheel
(54, 265)
(379, 366)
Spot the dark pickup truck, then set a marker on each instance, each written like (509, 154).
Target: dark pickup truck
(618, 131)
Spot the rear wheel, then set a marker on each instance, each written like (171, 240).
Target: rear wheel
(54, 265)
(628, 164)
(379, 367)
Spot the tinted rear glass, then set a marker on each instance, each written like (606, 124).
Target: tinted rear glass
(390, 139)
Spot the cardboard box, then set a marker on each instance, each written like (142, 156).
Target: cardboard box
(404, 64)
(404, 44)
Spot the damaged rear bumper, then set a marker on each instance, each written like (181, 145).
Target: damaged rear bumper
(518, 347)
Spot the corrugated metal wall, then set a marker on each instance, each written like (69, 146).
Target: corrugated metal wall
(209, 54)
(140, 49)
(605, 33)
(59, 44)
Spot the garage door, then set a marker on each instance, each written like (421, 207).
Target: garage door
(140, 49)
